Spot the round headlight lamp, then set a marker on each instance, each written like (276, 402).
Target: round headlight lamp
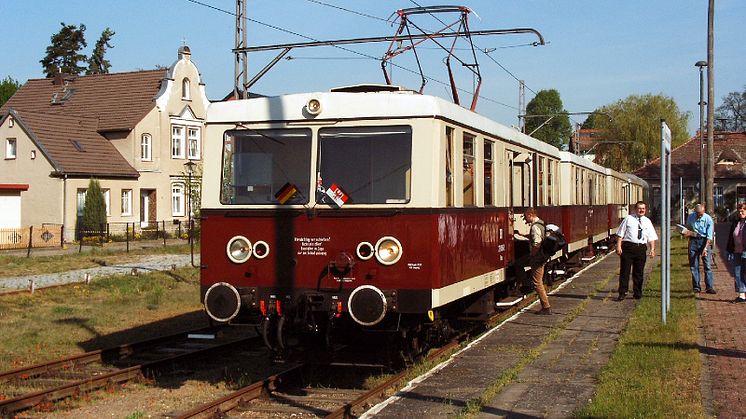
(388, 250)
(365, 250)
(239, 249)
(261, 249)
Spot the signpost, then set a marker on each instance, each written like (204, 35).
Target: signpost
(665, 220)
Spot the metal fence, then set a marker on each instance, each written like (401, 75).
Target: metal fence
(133, 232)
(46, 235)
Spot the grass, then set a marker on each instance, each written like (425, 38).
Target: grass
(20, 265)
(109, 311)
(655, 369)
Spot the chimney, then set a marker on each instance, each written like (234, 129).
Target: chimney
(58, 79)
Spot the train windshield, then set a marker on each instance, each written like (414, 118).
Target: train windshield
(268, 166)
(369, 165)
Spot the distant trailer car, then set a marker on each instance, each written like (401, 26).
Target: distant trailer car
(376, 209)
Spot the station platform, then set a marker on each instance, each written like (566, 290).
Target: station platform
(530, 365)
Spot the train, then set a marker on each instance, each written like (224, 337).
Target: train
(373, 210)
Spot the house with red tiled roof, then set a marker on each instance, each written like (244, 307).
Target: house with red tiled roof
(730, 171)
(132, 131)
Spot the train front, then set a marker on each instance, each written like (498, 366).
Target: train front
(302, 221)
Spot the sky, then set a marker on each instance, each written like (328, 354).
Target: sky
(597, 51)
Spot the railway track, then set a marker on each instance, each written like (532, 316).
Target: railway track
(285, 395)
(45, 383)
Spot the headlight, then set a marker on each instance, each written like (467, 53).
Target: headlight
(261, 249)
(388, 250)
(239, 249)
(364, 250)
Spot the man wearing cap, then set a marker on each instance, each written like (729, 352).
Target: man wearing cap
(700, 233)
(633, 237)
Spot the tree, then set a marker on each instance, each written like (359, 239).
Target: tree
(632, 133)
(63, 55)
(8, 87)
(731, 115)
(97, 64)
(94, 211)
(548, 104)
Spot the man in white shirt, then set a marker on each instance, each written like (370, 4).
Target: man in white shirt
(633, 237)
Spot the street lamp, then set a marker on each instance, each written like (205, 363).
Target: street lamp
(189, 167)
(701, 65)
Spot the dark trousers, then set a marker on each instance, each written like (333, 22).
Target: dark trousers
(633, 258)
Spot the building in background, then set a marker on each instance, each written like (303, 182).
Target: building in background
(132, 131)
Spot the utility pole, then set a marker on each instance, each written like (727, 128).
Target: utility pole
(701, 65)
(241, 69)
(521, 105)
(710, 108)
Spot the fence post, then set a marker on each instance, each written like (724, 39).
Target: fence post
(108, 232)
(30, 239)
(164, 233)
(62, 236)
(179, 227)
(127, 234)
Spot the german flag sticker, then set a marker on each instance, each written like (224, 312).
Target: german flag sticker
(286, 193)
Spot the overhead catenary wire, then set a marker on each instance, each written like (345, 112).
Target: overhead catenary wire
(278, 28)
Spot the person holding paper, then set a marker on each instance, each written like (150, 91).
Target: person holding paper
(701, 229)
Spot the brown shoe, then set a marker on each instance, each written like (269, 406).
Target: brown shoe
(546, 311)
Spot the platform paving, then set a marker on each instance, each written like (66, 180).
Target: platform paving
(723, 340)
(550, 364)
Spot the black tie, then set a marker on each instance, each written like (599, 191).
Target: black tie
(639, 228)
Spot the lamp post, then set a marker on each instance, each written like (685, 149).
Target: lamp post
(189, 167)
(701, 65)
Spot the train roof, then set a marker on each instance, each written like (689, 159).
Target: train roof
(365, 102)
(581, 161)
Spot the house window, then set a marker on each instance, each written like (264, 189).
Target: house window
(11, 122)
(10, 148)
(185, 89)
(718, 192)
(177, 200)
(107, 201)
(193, 138)
(33, 154)
(146, 150)
(81, 201)
(177, 142)
(126, 201)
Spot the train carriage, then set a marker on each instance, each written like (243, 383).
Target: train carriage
(371, 208)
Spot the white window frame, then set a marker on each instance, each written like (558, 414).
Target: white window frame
(11, 122)
(177, 141)
(146, 147)
(107, 201)
(178, 199)
(718, 199)
(126, 206)
(11, 148)
(81, 201)
(185, 89)
(193, 142)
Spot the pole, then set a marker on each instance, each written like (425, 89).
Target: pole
(701, 132)
(189, 208)
(710, 107)
(665, 219)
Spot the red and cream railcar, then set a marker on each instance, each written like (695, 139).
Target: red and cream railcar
(371, 207)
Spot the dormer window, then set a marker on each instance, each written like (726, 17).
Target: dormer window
(185, 89)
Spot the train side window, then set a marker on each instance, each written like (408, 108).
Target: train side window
(488, 171)
(540, 181)
(550, 182)
(468, 179)
(449, 167)
(508, 180)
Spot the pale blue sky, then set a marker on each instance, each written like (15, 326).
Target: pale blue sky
(598, 51)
